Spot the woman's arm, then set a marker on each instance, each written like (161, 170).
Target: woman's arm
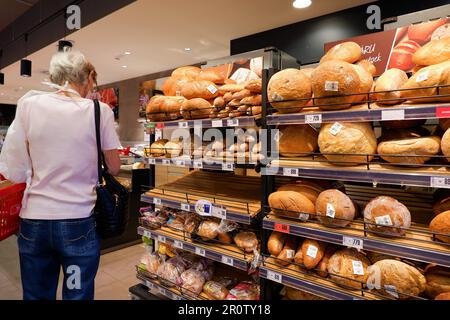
(112, 160)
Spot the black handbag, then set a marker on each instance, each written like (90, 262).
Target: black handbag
(111, 208)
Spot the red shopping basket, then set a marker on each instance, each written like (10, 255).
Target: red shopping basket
(10, 204)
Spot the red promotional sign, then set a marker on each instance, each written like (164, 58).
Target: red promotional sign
(282, 228)
(443, 112)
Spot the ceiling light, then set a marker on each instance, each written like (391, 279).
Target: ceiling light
(124, 67)
(127, 53)
(25, 68)
(187, 49)
(300, 4)
(62, 44)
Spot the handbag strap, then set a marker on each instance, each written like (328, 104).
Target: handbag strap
(100, 157)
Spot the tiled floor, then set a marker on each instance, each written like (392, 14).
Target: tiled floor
(115, 275)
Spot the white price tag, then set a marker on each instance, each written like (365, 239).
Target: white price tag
(440, 182)
(232, 122)
(290, 172)
(336, 128)
(383, 220)
(330, 210)
(157, 201)
(178, 244)
(212, 89)
(227, 166)
(198, 164)
(358, 268)
(274, 276)
(216, 123)
(332, 86)
(152, 161)
(161, 239)
(312, 251)
(387, 115)
(392, 290)
(181, 163)
(422, 76)
(227, 260)
(200, 251)
(219, 212)
(313, 118)
(353, 242)
(183, 124)
(162, 291)
(303, 217)
(166, 162)
(147, 234)
(185, 207)
(290, 254)
(158, 134)
(148, 284)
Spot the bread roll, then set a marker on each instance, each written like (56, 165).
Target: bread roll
(348, 267)
(200, 89)
(254, 85)
(157, 148)
(173, 86)
(428, 146)
(286, 256)
(312, 252)
(211, 75)
(445, 143)
(162, 108)
(347, 138)
(228, 97)
(173, 148)
(368, 66)
(347, 51)
(323, 264)
(247, 241)
(438, 280)
(219, 103)
(297, 140)
(291, 204)
(254, 110)
(252, 100)
(398, 277)
(331, 81)
(366, 83)
(196, 108)
(231, 88)
(333, 205)
(189, 72)
(434, 52)
(208, 230)
(308, 191)
(441, 224)
(392, 79)
(242, 94)
(443, 296)
(276, 243)
(388, 214)
(289, 84)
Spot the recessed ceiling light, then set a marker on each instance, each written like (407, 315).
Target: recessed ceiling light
(187, 49)
(300, 4)
(127, 53)
(20, 88)
(124, 67)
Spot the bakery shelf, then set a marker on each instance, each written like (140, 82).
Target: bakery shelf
(415, 247)
(426, 176)
(227, 254)
(360, 113)
(205, 163)
(245, 121)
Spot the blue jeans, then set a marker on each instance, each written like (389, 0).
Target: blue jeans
(47, 245)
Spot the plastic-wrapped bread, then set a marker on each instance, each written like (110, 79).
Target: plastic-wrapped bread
(169, 272)
(208, 230)
(152, 262)
(192, 282)
(391, 80)
(215, 290)
(334, 208)
(348, 268)
(247, 241)
(157, 148)
(388, 214)
(322, 267)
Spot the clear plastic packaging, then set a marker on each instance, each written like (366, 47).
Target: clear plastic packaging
(192, 282)
(244, 291)
(169, 272)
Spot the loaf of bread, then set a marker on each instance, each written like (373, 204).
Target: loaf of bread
(348, 268)
(173, 148)
(173, 85)
(312, 252)
(322, 267)
(332, 84)
(388, 214)
(434, 52)
(441, 224)
(252, 100)
(196, 108)
(443, 296)
(297, 140)
(242, 94)
(157, 148)
(286, 256)
(162, 108)
(219, 103)
(214, 76)
(231, 88)
(291, 204)
(200, 89)
(445, 143)
(366, 83)
(427, 146)
(309, 191)
(347, 51)
(391, 80)
(189, 72)
(208, 230)
(276, 243)
(254, 85)
(334, 208)
(289, 84)
(347, 138)
(438, 280)
(225, 237)
(254, 110)
(368, 66)
(215, 290)
(247, 241)
(298, 258)
(394, 278)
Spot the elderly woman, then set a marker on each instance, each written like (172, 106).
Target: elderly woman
(53, 147)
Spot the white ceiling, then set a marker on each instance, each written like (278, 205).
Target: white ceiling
(157, 31)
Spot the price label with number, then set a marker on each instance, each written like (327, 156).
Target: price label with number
(387, 115)
(178, 244)
(285, 228)
(274, 276)
(198, 164)
(232, 122)
(332, 86)
(313, 118)
(161, 239)
(200, 251)
(157, 201)
(216, 123)
(358, 268)
(383, 220)
(312, 251)
(227, 260)
(162, 291)
(336, 128)
(227, 166)
(166, 162)
(148, 284)
(331, 212)
(353, 242)
(181, 163)
(152, 161)
(219, 212)
(440, 182)
(290, 172)
(147, 234)
(183, 124)
(185, 207)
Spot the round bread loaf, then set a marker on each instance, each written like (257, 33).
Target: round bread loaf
(368, 66)
(394, 278)
(366, 83)
(173, 86)
(157, 148)
(312, 252)
(348, 268)
(162, 108)
(333, 205)
(389, 214)
(323, 264)
(347, 51)
(332, 82)
(307, 72)
(247, 241)
(308, 191)
(427, 146)
(347, 138)
(286, 255)
(289, 84)
(441, 224)
(291, 204)
(390, 80)
(208, 229)
(434, 52)
(438, 280)
(173, 148)
(189, 72)
(254, 85)
(276, 243)
(297, 140)
(196, 108)
(200, 89)
(445, 143)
